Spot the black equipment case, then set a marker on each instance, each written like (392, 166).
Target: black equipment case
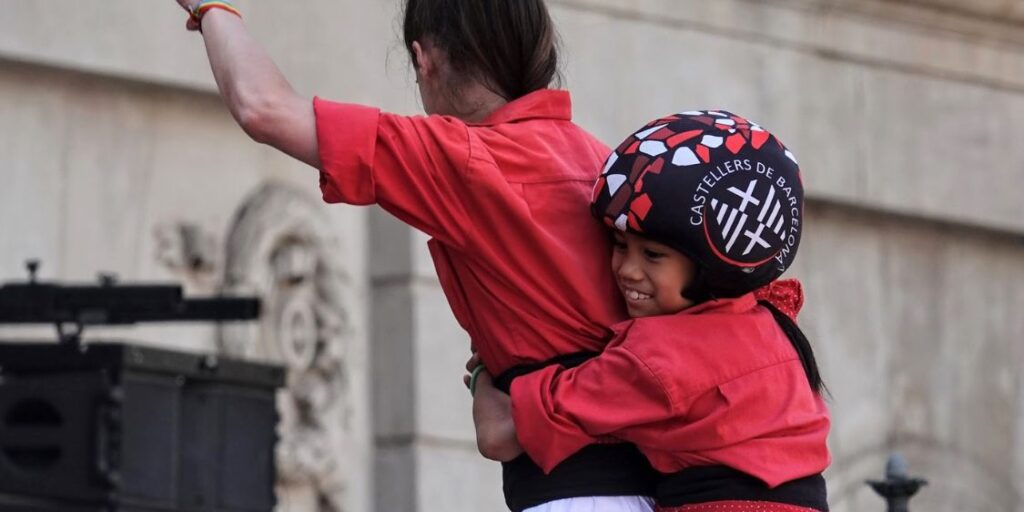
(119, 427)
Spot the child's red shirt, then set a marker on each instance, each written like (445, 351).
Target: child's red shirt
(716, 384)
(524, 265)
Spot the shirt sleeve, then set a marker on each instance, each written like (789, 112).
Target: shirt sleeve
(412, 166)
(559, 411)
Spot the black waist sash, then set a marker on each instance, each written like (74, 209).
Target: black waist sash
(720, 483)
(597, 470)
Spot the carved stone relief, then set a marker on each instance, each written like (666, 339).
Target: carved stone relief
(191, 254)
(279, 248)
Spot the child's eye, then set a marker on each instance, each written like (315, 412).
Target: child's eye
(619, 245)
(654, 255)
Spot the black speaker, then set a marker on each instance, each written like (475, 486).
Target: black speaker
(117, 427)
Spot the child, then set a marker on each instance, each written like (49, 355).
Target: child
(712, 379)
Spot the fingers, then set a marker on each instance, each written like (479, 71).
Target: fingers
(191, 25)
(465, 380)
(473, 362)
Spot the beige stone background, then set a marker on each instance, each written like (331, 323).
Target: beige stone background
(906, 116)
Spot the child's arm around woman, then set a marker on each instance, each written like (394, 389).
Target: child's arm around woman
(712, 379)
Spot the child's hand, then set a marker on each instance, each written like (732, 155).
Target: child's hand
(492, 416)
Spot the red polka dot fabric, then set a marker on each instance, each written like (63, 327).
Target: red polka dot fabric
(736, 506)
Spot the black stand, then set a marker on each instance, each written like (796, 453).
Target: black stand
(898, 487)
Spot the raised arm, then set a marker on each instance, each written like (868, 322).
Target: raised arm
(259, 97)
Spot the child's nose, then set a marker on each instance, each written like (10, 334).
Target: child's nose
(629, 270)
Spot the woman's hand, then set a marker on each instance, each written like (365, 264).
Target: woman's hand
(191, 24)
(259, 97)
(492, 417)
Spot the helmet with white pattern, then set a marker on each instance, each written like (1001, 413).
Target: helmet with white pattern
(716, 187)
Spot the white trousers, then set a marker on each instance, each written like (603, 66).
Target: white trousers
(597, 504)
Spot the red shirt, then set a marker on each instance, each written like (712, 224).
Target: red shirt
(524, 265)
(716, 384)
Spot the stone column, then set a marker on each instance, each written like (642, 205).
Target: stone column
(426, 457)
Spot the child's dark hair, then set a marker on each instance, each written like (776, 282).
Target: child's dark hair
(510, 45)
(802, 346)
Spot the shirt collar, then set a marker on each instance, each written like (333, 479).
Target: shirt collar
(786, 295)
(542, 104)
(735, 305)
(741, 304)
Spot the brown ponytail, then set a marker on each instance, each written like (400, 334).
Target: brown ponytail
(509, 45)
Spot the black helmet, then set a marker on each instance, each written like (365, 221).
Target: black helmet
(713, 186)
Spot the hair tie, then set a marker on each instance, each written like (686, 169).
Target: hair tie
(473, 378)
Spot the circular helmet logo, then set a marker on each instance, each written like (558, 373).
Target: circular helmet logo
(746, 219)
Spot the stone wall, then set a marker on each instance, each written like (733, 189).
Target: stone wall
(917, 332)
(116, 155)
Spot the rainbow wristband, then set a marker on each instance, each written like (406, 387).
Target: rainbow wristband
(200, 9)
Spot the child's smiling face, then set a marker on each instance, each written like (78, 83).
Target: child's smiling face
(651, 276)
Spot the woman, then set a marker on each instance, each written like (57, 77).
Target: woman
(496, 173)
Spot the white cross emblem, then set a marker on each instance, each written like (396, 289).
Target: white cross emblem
(748, 196)
(733, 220)
(755, 238)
